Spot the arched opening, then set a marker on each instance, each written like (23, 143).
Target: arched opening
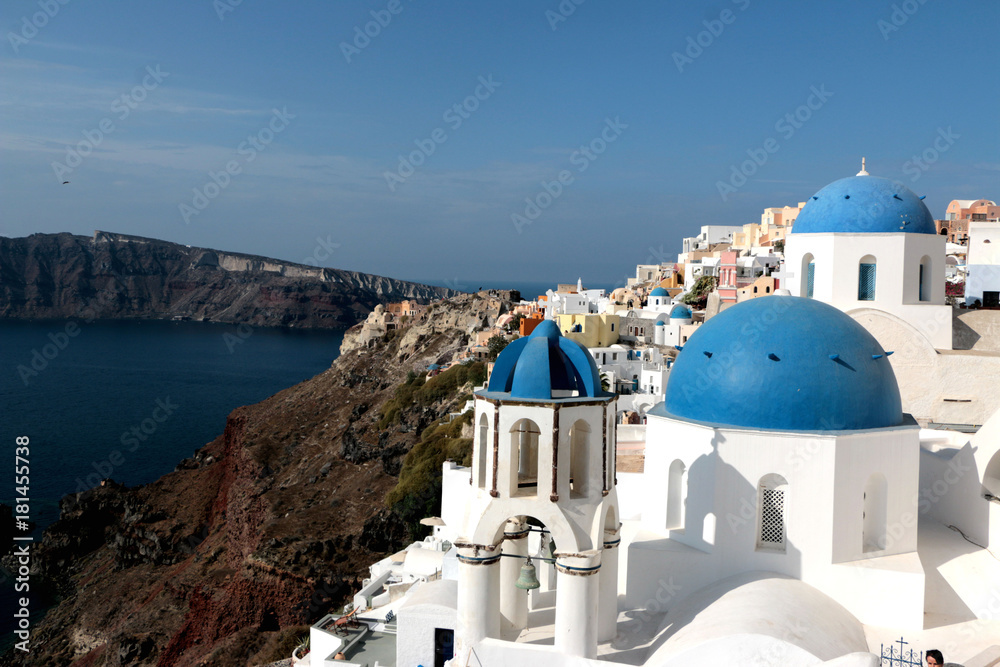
(875, 513)
(808, 275)
(524, 458)
(866, 278)
(579, 464)
(925, 278)
(524, 537)
(675, 495)
(482, 451)
(772, 508)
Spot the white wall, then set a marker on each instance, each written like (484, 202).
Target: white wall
(983, 260)
(897, 276)
(823, 513)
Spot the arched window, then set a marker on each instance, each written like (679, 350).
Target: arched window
(579, 465)
(772, 508)
(808, 275)
(925, 278)
(524, 458)
(866, 278)
(482, 451)
(675, 496)
(875, 513)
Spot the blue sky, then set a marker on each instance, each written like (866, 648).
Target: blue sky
(666, 100)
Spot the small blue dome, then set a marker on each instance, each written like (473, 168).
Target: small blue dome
(535, 366)
(864, 204)
(680, 312)
(659, 323)
(658, 291)
(784, 363)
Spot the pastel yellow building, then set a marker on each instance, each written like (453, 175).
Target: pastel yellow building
(775, 224)
(590, 330)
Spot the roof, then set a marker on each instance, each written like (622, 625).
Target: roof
(441, 593)
(658, 291)
(741, 617)
(865, 205)
(784, 363)
(545, 362)
(680, 312)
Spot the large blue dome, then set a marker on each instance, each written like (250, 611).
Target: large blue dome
(784, 363)
(864, 204)
(535, 366)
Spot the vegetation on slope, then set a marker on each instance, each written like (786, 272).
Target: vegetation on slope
(418, 492)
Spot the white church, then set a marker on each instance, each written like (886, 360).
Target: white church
(791, 510)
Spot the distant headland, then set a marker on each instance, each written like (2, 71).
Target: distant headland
(117, 276)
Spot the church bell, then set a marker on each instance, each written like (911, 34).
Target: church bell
(528, 581)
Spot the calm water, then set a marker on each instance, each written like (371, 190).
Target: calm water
(174, 383)
(128, 400)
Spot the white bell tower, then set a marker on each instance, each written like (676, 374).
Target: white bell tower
(543, 460)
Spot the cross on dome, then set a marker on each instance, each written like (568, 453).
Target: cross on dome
(863, 172)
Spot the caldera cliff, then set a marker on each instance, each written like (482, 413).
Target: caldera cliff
(116, 276)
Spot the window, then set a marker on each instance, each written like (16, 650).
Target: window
(925, 278)
(874, 516)
(524, 458)
(808, 274)
(772, 492)
(482, 450)
(675, 495)
(579, 453)
(866, 279)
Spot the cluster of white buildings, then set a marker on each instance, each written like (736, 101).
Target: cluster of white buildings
(820, 476)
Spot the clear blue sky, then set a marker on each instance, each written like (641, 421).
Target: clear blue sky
(888, 94)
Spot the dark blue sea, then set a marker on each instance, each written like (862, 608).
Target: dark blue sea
(129, 400)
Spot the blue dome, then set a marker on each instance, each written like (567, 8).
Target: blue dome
(658, 291)
(784, 363)
(864, 204)
(680, 312)
(535, 366)
(659, 323)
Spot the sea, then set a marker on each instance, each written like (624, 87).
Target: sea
(129, 400)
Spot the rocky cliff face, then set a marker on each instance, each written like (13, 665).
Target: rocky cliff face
(261, 532)
(114, 276)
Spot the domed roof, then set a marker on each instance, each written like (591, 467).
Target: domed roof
(864, 204)
(659, 323)
(680, 312)
(658, 291)
(784, 363)
(535, 366)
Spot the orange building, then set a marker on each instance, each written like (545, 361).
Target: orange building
(528, 324)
